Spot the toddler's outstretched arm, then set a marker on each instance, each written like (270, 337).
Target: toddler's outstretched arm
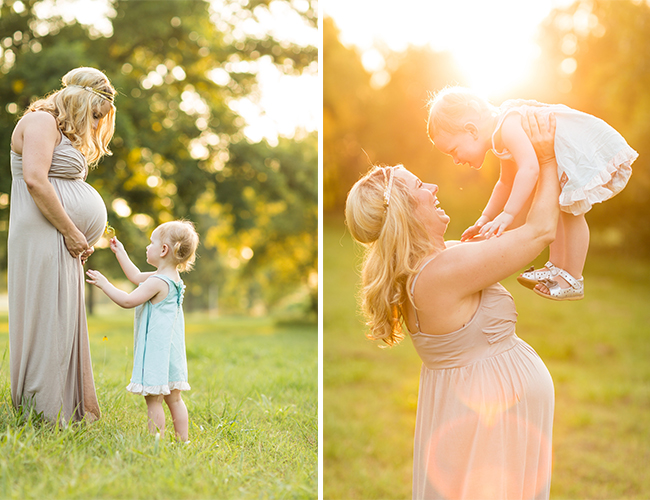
(131, 271)
(148, 290)
(527, 171)
(495, 204)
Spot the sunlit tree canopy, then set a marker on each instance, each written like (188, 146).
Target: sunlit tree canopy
(180, 149)
(591, 57)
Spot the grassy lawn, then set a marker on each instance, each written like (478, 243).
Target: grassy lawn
(597, 350)
(253, 421)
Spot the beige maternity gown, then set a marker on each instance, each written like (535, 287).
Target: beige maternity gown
(485, 410)
(48, 333)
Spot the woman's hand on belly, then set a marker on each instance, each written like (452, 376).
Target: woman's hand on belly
(76, 243)
(87, 253)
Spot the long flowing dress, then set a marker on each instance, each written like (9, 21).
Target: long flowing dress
(50, 363)
(485, 410)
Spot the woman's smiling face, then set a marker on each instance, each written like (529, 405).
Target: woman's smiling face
(425, 194)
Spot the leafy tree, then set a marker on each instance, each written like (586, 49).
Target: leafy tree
(366, 123)
(179, 148)
(346, 98)
(594, 58)
(607, 45)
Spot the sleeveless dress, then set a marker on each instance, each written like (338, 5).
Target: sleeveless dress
(594, 161)
(48, 334)
(159, 361)
(485, 410)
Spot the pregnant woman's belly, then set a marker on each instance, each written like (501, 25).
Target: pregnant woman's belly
(84, 206)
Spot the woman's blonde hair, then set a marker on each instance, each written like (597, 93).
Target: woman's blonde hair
(449, 106)
(74, 107)
(183, 240)
(396, 243)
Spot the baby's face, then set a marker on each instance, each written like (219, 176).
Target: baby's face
(462, 147)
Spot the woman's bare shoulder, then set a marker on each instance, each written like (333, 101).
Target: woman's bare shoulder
(40, 121)
(443, 303)
(41, 118)
(39, 126)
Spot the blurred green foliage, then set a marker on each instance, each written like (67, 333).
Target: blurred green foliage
(381, 118)
(179, 150)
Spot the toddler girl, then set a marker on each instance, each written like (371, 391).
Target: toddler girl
(594, 164)
(159, 364)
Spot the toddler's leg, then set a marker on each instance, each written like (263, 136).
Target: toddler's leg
(573, 246)
(556, 249)
(576, 243)
(156, 414)
(178, 411)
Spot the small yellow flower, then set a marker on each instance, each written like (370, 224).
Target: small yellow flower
(105, 338)
(109, 231)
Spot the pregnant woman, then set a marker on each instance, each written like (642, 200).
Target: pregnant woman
(485, 405)
(55, 219)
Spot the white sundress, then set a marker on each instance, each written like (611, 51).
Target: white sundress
(594, 160)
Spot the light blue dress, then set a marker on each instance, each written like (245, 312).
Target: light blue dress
(159, 361)
(594, 161)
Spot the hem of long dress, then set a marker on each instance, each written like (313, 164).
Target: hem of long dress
(605, 184)
(156, 390)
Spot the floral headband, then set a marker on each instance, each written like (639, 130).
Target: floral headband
(388, 184)
(104, 95)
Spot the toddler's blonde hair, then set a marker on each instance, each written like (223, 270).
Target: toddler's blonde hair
(396, 243)
(449, 106)
(182, 239)
(74, 106)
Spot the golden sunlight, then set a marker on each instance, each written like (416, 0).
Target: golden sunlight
(493, 42)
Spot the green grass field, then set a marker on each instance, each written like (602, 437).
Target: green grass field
(253, 421)
(597, 350)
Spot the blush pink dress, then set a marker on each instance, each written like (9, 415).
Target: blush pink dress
(485, 410)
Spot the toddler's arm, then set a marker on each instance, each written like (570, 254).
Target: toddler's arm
(148, 290)
(131, 271)
(527, 171)
(496, 202)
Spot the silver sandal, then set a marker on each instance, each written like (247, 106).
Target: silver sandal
(576, 290)
(531, 277)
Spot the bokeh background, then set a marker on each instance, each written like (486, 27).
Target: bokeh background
(201, 133)
(381, 62)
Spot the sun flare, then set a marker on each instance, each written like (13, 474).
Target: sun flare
(492, 42)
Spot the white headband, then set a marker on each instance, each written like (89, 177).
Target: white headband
(388, 184)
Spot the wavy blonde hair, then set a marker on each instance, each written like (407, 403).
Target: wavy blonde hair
(183, 240)
(395, 243)
(74, 108)
(448, 107)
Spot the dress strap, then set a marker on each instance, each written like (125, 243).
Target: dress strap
(415, 309)
(505, 154)
(173, 285)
